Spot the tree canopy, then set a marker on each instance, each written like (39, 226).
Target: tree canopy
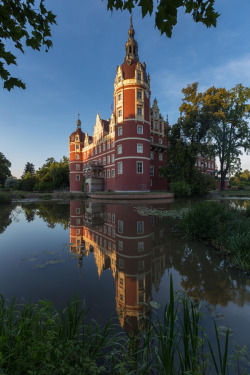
(22, 22)
(29, 167)
(211, 124)
(166, 11)
(5, 165)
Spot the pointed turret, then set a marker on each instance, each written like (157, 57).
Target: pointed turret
(131, 45)
(78, 122)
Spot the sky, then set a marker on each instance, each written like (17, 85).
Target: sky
(78, 72)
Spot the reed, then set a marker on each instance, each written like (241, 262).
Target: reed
(37, 339)
(224, 226)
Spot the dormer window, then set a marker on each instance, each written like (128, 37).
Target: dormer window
(138, 76)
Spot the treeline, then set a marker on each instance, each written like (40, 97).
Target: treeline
(51, 176)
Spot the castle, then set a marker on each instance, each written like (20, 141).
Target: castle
(126, 151)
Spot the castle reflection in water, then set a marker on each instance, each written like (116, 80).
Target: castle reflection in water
(130, 245)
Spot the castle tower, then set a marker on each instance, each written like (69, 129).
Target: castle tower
(132, 114)
(76, 144)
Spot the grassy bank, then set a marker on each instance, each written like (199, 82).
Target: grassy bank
(226, 228)
(37, 339)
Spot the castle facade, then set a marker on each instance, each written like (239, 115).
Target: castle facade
(124, 153)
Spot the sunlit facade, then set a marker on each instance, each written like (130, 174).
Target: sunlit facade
(126, 151)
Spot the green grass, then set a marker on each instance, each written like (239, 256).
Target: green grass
(228, 229)
(39, 340)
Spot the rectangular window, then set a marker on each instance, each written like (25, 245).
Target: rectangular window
(77, 156)
(139, 111)
(119, 97)
(78, 231)
(138, 76)
(119, 168)
(113, 218)
(112, 172)
(119, 149)
(139, 148)
(77, 147)
(120, 226)
(77, 177)
(108, 145)
(139, 167)
(100, 148)
(109, 216)
(95, 150)
(121, 263)
(140, 227)
(104, 174)
(120, 245)
(151, 155)
(108, 159)
(108, 173)
(104, 161)
(141, 265)
(77, 167)
(120, 113)
(121, 281)
(139, 129)
(160, 141)
(160, 156)
(139, 95)
(113, 158)
(112, 143)
(104, 146)
(120, 130)
(151, 170)
(155, 125)
(141, 284)
(78, 211)
(140, 246)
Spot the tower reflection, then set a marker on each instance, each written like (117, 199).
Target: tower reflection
(128, 244)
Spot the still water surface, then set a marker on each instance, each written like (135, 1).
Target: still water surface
(115, 255)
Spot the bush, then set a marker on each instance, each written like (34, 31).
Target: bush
(5, 198)
(43, 186)
(181, 189)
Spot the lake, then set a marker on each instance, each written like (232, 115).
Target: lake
(117, 257)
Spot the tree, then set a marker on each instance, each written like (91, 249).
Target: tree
(213, 123)
(22, 21)
(29, 167)
(4, 169)
(11, 183)
(228, 112)
(187, 140)
(166, 11)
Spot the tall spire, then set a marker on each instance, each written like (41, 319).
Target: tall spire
(78, 122)
(131, 45)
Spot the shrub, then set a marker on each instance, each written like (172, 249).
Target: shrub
(181, 189)
(5, 198)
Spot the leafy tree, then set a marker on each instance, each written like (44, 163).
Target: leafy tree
(53, 175)
(11, 182)
(28, 182)
(166, 11)
(5, 165)
(22, 21)
(228, 112)
(29, 167)
(187, 140)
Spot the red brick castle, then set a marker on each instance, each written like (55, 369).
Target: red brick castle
(126, 151)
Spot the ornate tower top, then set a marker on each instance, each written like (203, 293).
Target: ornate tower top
(131, 45)
(78, 122)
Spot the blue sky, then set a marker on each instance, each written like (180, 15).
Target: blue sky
(78, 72)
